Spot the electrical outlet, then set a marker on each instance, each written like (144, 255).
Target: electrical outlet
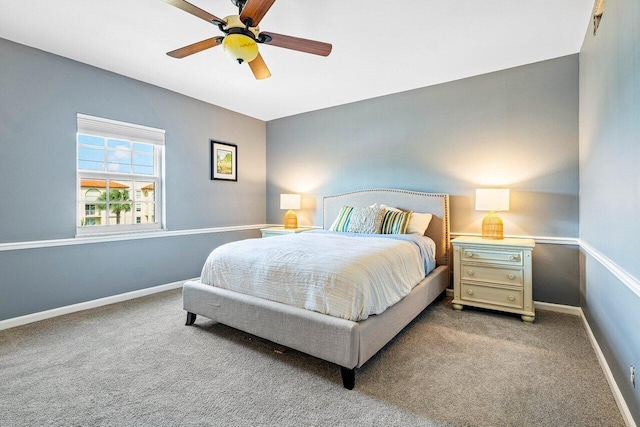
(632, 376)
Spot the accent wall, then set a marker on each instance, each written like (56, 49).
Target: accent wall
(40, 96)
(516, 128)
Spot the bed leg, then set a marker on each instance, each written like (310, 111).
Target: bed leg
(191, 318)
(348, 377)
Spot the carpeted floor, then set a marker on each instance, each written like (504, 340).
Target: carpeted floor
(135, 363)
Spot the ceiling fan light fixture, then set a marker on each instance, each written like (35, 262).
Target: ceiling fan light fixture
(240, 47)
(242, 35)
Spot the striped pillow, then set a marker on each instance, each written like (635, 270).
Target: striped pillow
(395, 222)
(342, 221)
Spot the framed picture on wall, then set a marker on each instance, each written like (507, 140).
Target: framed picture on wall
(597, 15)
(224, 161)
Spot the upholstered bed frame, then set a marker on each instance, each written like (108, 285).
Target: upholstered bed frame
(346, 343)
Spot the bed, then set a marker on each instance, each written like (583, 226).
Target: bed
(347, 343)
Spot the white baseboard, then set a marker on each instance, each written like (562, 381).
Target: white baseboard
(42, 315)
(617, 394)
(577, 311)
(567, 309)
(558, 308)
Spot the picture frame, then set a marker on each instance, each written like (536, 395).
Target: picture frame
(598, 11)
(224, 161)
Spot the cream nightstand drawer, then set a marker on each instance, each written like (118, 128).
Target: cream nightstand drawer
(492, 295)
(498, 275)
(508, 256)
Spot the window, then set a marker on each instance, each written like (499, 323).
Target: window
(120, 167)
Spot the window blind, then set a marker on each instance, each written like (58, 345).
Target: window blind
(90, 125)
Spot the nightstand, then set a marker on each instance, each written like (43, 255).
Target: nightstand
(278, 231)
(493, 274)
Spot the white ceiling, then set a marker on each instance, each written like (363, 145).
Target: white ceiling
(379, 46)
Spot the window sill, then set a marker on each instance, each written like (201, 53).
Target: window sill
(118, 234)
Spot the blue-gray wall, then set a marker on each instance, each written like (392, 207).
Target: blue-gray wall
(516, 128)
(40, 95)
(610, 188)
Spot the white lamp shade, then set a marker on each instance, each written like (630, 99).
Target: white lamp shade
(289, 201)
(492, 199)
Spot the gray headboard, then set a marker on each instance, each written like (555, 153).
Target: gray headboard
(436, 204)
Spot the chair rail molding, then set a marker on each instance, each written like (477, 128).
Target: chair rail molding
(84, 240)
(631, 282)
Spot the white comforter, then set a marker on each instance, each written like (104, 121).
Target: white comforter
(341, 274)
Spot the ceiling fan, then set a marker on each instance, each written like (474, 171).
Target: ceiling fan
(242, 35)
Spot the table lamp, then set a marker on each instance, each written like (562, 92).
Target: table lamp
(492, 200)
(290, 202)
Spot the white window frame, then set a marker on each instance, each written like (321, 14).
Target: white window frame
(106, 128)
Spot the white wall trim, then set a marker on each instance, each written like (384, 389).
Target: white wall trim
(617, 394)
(577, 311)
(84, 240)
(626, 278)
(631, 282)
(571, 241)
(299, 225)
(60, 311)
(558, 308)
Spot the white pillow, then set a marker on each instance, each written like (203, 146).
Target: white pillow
(417, 224)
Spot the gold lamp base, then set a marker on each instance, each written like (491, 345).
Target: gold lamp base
(290, 219)
(492, 227)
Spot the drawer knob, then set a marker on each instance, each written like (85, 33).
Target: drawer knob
(511, 257)
(511, 298)
(470, 291)
(470, 254)
(511, 276)
(470, 272)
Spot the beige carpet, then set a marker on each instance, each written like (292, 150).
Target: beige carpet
(135, 363)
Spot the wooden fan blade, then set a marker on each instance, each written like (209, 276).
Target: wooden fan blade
(196, 47)
(255, 9)
(296, 43)
(259, 68)
(195, 10)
